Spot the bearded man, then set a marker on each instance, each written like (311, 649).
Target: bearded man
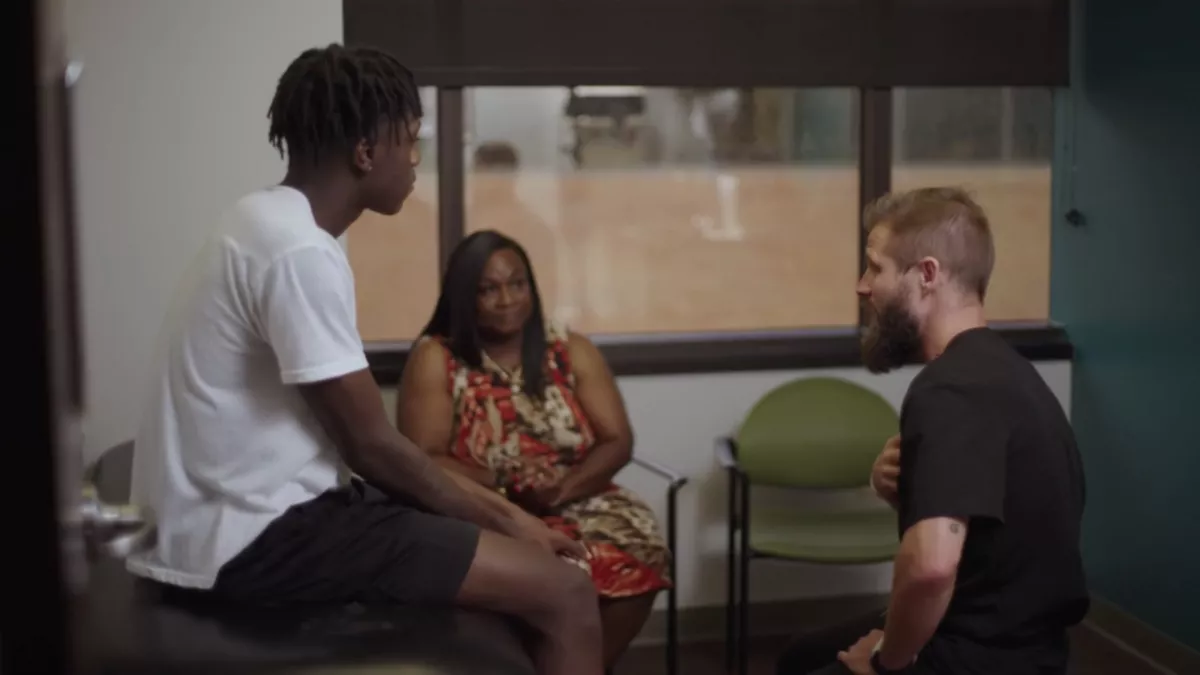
(985, 474)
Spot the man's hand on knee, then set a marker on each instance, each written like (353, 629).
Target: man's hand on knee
(534, 531)
(857, 658)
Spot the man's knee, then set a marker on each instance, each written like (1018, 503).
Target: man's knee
(563, 598)
(514, 578)
(569, 591)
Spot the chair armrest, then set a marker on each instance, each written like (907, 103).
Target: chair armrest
(675, 478)
(726, 453)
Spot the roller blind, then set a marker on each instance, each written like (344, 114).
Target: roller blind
(802, 43)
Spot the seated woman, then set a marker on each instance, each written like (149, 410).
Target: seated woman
(531, 412)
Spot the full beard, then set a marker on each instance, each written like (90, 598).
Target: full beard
(892, 339)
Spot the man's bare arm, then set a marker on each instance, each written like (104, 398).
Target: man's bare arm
(923, 582)
(350, 408)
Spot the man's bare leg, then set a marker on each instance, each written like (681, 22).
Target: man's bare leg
(553, 596)
(622, 621)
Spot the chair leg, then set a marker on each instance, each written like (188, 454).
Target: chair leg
(744, 592)
(731, 631)
(672, 594)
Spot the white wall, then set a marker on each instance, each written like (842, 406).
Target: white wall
(676, 419)
(170, 128)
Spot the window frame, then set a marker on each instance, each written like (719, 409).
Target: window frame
(681, 353)
(677, 353)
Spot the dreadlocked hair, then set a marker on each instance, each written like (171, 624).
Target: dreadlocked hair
(329, 99)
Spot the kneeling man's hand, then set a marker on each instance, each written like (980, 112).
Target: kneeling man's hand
(886, 472)
(857, 658)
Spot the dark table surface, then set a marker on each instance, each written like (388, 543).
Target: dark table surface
(127, 626)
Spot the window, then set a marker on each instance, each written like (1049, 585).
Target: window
(660, 210)
(692, 226)
(395, 258)
(996, 142)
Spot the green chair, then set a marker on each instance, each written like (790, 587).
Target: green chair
(818, 433)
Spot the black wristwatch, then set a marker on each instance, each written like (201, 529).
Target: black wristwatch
(880, 670)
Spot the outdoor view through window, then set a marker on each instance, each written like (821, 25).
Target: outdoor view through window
(657, 210)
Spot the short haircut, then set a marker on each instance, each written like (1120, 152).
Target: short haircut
(330, 98)
(944, 223)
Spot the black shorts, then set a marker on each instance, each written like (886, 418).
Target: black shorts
(352, 544)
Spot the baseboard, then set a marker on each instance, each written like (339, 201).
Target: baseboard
(791, 617)
(1141, 639)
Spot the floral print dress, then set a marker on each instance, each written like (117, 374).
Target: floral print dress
(498, 426)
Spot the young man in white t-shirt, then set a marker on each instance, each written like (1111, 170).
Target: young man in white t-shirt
(262, 393)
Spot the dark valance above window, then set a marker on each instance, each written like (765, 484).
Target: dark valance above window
(799, 43)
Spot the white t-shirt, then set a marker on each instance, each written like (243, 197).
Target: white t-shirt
(226, 443)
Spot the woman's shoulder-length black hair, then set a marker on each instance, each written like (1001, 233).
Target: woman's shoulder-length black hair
(456, 315)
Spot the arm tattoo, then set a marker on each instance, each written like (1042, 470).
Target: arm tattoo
(956, 528)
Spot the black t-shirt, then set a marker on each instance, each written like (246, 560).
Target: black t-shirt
(984, 439)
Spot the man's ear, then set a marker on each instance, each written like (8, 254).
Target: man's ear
(364, 156)
(931, 272)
